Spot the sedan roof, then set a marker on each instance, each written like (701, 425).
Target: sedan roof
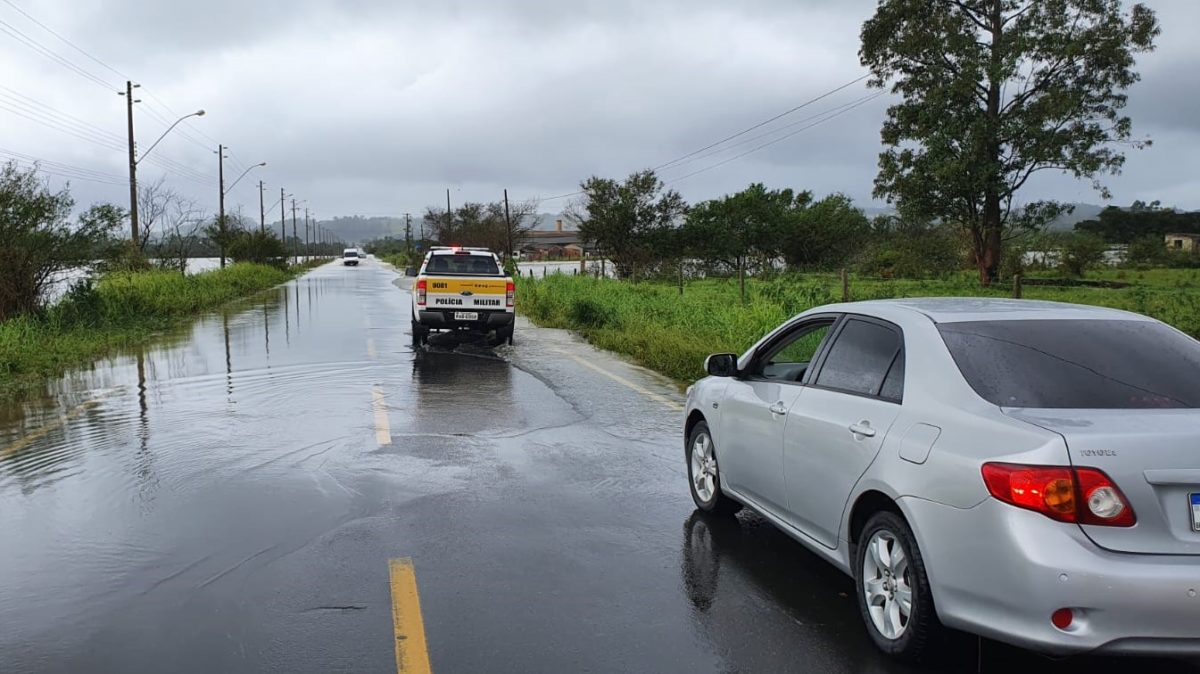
(964, 309)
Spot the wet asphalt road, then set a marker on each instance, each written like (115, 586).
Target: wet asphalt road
(228, 500)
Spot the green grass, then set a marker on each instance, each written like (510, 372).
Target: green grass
(122, 309)
(659, 329)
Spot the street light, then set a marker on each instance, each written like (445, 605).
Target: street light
(198, 113)
(133, 159)
(239, 178)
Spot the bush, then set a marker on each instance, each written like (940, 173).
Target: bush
(258, 248)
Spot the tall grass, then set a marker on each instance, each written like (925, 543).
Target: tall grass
(672, 333)
(120, 310)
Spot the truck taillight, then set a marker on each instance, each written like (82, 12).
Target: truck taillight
(1063, 493)
(511, 294)
(422, 286)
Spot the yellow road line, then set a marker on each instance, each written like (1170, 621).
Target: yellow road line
(412, 653)
(32, 437)
(371, 348)
(621, 380)
(383, 430)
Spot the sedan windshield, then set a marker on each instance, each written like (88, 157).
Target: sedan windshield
(1080, 364)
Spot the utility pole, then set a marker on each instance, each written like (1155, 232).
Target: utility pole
(408, 246)
(449, 219)
(221, 201)
(508, 228)
(307, 250)
(262, 213)
(133, 205)
(282, 219)
(296, 239)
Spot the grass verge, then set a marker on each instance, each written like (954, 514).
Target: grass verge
(664, 331)
(119, 310)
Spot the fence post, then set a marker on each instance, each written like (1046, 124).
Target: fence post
(845, 286)
(1016, 286)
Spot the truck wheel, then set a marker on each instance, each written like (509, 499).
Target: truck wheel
(506, 334)
(419, 333)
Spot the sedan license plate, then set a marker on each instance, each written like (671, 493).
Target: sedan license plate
(1195, 498)
(466, 316)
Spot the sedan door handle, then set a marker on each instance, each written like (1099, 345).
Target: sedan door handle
(863, 428)
(778, 408)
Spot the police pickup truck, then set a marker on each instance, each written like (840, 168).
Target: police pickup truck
(465, 289)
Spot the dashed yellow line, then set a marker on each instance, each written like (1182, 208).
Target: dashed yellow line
(383, 429)
(32, 437)
(625, 382)
(412, 653)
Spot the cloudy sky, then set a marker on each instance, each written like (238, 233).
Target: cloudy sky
(377, 106)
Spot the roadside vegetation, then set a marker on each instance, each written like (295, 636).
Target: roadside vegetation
(659, 328)
(123, 297)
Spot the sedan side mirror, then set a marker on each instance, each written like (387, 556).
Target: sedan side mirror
(410, 271)
(721, 365)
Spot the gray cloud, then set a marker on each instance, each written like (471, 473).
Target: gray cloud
(375, 106)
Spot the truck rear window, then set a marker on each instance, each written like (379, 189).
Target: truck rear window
(1079, 364)
(462, 265)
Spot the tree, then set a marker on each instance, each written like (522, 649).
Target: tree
(624, 220)
(40, 243)
(181, 226)
(481, 224)
(252, 245)
(740, 228)
(1081, 252)
(994, 91)
(826, 234)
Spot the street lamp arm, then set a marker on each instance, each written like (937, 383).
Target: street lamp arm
(198, 113)
(239, 178)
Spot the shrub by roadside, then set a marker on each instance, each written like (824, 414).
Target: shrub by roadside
(121, 309)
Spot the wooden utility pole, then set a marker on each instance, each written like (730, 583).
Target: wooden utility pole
(295, 239)
(262, 213)
(408, 244)
(133, 204)
(508, 251)
(282, 218)
(1016, 286)
(221, 200)
(307, 251)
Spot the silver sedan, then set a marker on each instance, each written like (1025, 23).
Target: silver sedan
(1026, 471)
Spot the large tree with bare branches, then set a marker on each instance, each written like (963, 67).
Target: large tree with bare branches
(991, 93)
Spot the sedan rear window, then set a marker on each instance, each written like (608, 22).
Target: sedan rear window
(1080, 364)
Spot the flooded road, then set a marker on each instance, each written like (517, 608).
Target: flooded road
(229, 499)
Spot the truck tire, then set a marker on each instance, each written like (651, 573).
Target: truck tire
(420, 334)
(505, 334)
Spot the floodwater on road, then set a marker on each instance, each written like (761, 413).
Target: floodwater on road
(228, 499)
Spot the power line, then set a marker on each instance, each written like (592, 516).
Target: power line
(777, 140)
(763, 123)
(45, 51)
(17, 98)
(79, 133)
(837, 109)
(65, 40)
(64, 170)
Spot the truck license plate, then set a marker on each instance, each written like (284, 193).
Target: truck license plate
(1195, 512)
(466, 316)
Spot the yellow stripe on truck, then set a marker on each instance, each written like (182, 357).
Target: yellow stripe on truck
(456, 286)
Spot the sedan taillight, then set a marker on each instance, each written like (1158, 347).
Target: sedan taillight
(422, 285)
(1063, 493)
(511, 294)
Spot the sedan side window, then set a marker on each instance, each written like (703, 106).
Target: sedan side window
(861, 358)
(789, 359)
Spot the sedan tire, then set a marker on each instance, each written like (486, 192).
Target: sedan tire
(893, 589)
(704, 476)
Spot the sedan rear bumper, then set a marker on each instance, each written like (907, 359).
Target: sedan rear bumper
(1001, 572)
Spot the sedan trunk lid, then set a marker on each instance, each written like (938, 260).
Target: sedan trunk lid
(1153, 456)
